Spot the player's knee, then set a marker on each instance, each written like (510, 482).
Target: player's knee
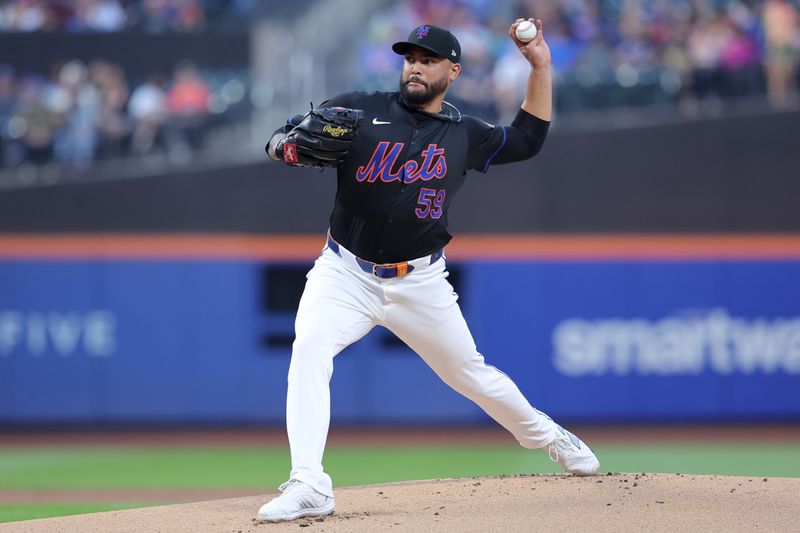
(307, 363)
(473, 379)
(459, 379)
(310, 352)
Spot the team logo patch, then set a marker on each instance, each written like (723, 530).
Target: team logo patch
(290, 153)
(334, 131)
(422, 32)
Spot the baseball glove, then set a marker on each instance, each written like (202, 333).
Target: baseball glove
(323, 138)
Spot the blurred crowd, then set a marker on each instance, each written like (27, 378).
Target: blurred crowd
(86, 112)
(153, 16)
(696, 54)
(606, 53)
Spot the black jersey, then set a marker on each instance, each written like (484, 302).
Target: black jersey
(406, 168)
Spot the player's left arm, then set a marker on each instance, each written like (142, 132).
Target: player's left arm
(342, 100)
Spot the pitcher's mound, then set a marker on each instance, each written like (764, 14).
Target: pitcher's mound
(618, 502)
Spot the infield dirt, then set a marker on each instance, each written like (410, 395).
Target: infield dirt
(611, 502)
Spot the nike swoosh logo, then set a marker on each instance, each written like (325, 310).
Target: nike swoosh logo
(378, 122)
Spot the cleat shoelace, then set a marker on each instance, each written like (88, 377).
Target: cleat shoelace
(562, 440)
(553, 453)
(287, 486)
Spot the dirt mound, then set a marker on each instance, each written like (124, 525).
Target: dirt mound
(618, 502)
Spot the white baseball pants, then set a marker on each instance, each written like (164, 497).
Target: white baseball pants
(342, 303)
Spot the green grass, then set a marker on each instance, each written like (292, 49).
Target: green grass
(770, 460)
(265, 468)
(30, 511)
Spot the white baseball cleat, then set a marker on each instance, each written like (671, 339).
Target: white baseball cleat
(298, 500)
(572, 454)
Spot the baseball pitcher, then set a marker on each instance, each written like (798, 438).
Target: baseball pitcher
(401, 158)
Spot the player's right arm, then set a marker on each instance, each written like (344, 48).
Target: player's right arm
(496, 145)
(539, 90)
(525, 136)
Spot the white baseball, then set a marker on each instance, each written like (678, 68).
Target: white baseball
(526, 31)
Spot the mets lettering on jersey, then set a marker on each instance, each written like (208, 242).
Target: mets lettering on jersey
(403, 171)
(434, 165)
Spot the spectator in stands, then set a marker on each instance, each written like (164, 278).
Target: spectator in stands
(98, 15)
(740, 63)
(172, 15)
(25, 16)
(707, 41)
(147, 110)
(113, 126)
(76, 103)
(36, 124)
(9, 151)
(187, 104)
(781, 30)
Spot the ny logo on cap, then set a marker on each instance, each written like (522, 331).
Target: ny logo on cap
(422, 32)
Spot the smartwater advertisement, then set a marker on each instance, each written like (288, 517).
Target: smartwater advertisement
(210, 342)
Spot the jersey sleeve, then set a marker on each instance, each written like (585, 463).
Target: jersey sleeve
(485, 142)
(351, 99)
(497, 145)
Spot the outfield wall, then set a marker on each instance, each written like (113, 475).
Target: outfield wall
(615, 329)
(733, 175)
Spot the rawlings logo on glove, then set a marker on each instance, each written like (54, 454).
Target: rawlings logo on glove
(323, 138)
(335, 131)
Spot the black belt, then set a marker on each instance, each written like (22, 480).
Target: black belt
(386, 270)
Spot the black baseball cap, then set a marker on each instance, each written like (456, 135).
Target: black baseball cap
(432, 38)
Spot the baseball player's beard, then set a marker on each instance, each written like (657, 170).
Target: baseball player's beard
(421, 97)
